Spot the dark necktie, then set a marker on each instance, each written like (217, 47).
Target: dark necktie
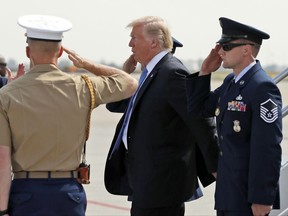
(231, 84)
(128, 111)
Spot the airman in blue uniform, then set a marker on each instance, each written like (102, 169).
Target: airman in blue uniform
(248, 108)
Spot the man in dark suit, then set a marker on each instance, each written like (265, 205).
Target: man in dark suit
(130, 66)
(248, 108)
(6, 74)
(3, 81)
(3, 69)
(153, 154)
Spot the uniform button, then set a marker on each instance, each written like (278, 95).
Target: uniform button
(221, 137)
(221, 153)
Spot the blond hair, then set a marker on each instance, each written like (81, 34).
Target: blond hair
(155, 27)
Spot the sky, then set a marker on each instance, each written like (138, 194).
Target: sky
(99, 28)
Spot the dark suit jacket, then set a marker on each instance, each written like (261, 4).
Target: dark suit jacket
(3, 81)
(249, 126)
(162, 142)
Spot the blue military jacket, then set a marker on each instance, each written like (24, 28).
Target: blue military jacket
(249, 126)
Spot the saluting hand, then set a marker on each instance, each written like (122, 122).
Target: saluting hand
(130, 64)
(20, 72)
(77, 60)
(212, 62)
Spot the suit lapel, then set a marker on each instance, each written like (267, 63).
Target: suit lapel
(145, 85)
(149, 78)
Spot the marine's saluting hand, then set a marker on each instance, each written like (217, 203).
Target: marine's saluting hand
(77, 60)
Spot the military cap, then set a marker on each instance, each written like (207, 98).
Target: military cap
(176, 44)
(232, 30)
(2, 60)
(42, 27)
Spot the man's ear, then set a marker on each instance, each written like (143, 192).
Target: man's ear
(60, 52)
(27, 52)
(154, 43)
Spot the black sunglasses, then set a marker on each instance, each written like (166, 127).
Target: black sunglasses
(230, 46)
(3, 64)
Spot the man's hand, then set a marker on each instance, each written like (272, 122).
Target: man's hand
(130, 64)
(20, 72)
(5, 175)
(261, 210)
(212, 62)
(77, 60)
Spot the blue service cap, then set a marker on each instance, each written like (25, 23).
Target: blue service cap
(43, 27)
(176, 43)
(232, 30)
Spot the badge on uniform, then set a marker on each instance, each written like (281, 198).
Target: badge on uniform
(236, 126)
(269, 111)
(217, 111)
(239, 106)
(239, 97)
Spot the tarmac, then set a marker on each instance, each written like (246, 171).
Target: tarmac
(102, 203)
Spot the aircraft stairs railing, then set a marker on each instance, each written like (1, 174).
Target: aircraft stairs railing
(278, 79)
(283, 182)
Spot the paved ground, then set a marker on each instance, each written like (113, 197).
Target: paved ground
(101, 203)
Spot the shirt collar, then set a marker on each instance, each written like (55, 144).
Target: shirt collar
(150, 66)
(244, 71)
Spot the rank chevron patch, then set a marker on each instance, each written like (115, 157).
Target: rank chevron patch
(269, 111)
